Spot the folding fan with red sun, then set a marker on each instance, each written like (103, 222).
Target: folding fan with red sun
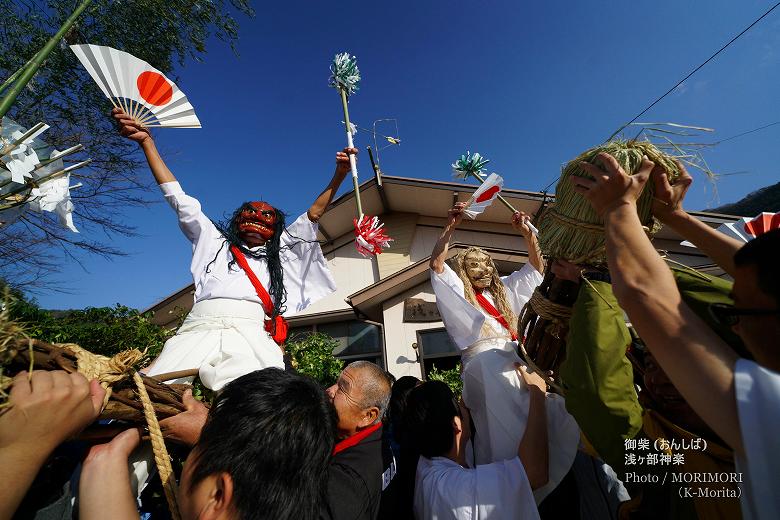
(747, 228)
(484, 196)
(136, 87)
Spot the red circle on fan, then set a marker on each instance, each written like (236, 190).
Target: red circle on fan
(154, 88)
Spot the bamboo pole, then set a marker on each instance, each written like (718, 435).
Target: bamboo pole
(38, 59)
(352, 161)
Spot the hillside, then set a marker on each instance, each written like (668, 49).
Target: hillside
(765, 199)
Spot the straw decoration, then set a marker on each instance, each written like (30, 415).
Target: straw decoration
(570, 229)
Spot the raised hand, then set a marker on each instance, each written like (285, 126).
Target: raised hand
(186, 426)
(105, 479)
(44, 410)
(532, 379)
(520, 221)
(566, 270)
(455, 213)
(129, 127)
(342, 160)
(49, 408)
(667, 202)
(611, 187)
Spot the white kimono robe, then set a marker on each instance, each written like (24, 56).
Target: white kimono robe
(224, 334)
(758, 405)
(492, 390)
(444, 490)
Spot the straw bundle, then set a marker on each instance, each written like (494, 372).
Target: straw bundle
(570, 229)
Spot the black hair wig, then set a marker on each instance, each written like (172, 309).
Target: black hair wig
(229, 230)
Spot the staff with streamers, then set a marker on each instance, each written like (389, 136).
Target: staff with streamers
(473, 165)
(370, 238)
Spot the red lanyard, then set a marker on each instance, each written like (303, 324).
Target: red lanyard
(355, 439)
(490, 309)
(279, 324)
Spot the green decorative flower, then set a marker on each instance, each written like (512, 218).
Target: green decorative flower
(469, 165)
(344, 73)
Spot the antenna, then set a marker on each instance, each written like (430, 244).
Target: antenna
(390, 141)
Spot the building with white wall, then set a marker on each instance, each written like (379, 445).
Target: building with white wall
(384, 308)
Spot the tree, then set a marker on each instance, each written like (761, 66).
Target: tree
(450, 377)
(101, 330)
(64, 96)
(312, 355)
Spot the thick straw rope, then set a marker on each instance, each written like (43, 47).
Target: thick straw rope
(161, 457)
(111, 370)
(106, 370)
(556, 313)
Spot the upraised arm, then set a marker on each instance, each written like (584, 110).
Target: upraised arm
(439, 254)
(667, 207)
(696, 360)
(520, 222)
(45, 409)
(104, 484)
(533, 449)
(342, 168)
(130, 129)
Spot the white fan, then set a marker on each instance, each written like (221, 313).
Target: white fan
(136, 87)
(484, 196)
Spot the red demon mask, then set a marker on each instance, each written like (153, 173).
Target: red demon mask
(256, 223)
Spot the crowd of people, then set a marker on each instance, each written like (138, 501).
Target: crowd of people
(274, 444)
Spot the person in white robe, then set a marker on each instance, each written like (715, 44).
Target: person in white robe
(224, 335)
(446, 488)
(492, 390)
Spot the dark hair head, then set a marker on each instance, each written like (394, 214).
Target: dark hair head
(229, 230)
(762, 253)
(273, 432)
(430, 409)
(398, 395)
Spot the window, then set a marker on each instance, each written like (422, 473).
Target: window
(436, 350)
(358, 340)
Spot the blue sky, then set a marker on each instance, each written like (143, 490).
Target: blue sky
(530, 85)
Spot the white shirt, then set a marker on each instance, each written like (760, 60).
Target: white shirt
(445, 490)
(462, 319)
(758, 405)
(306, 275)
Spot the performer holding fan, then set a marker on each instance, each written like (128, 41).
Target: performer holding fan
(247, 272)
(479, 309)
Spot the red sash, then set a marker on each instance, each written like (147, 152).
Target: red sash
(280, 330)
(355, 439)
(485, 304)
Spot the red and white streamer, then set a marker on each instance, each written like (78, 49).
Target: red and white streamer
(370, 236)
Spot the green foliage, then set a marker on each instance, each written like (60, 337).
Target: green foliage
(162, 32)
(312, 355)
(450, 377)
(101, 330)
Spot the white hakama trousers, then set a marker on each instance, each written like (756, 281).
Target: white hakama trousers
(225, 339)
(499, 401)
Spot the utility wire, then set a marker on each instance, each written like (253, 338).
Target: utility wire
(735, 38)
(745, 133)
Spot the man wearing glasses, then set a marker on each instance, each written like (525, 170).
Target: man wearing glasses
(739, 399)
